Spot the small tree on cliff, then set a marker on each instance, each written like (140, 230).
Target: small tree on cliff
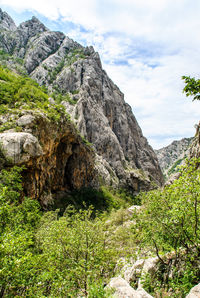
(192, 87)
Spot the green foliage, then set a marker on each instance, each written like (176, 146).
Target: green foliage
(56, 71)
(97, 290)
(75, 92)
(175, 167)
(184, 274)
(192, 87)
(77, 251)
(4, 55)
(170, 222)
(48, 255)
(58, 97)
(18, 221)
(104, 199)
(17, 91)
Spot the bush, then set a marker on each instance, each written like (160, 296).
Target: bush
(170, 222)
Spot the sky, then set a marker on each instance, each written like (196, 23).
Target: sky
(146, 46)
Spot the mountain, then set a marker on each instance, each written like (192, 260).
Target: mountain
(173, 155)
(73, 75)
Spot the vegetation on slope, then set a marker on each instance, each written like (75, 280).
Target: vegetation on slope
(74, 252)
(22, 93)
(43, 254)
(170, 223)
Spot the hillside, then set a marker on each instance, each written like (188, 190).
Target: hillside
(171, 156)
(81, 210)
(74, 77)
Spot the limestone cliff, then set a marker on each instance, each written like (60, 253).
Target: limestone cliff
(123, 156)
(173, 155)
(56, 158)
(195, 146)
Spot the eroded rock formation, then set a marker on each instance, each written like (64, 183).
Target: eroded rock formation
(173, 155)
(55, 157)
(124, 157)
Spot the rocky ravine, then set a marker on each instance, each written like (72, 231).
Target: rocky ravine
(173, 155)
(123, 156)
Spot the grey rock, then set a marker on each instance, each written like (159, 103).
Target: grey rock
(25, 32)
(140, 268)
(134, 272)
(51, 100)
(6, 21)
(25, 120)
(173, 154)
(19, 147)
(124, 290)
(100, 112)
(194, 292)
(133, 209)
(107, 121)
(194, 151)
(40, 47)
(105, 172)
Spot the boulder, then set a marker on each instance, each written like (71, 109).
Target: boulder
(133, 209)
(194, 292)
(124, 290)
(141, 267)
(133, 273)
(19, 147)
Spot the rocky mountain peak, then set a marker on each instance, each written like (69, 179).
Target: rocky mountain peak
(173, 155)
(6, 21)
(74, 74)
(33, 26)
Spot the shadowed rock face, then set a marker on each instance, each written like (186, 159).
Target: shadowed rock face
(55, 157)
(99, 109)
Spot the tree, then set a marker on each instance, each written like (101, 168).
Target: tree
(192, 87)
(18, 221)
(170, 222)
(77, 252)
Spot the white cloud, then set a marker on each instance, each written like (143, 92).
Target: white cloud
(145, 46)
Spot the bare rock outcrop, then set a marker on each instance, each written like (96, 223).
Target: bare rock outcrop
(123, 289)
(195, 147)
(95, 103)
(194, 292)
(55, 156)
(173, 155)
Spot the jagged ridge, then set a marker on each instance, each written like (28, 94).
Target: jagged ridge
(173, 155)
(123, 155)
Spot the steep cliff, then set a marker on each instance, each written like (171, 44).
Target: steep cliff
(74, 74)
(173, 155)
(41, 136)
(195, 146)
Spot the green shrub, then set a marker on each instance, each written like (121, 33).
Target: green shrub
(170, 222)
(17, 91)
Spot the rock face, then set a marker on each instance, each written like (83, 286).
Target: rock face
(6, 21)
(55, 156)
(20, 147)
(172, 155)
(123, 289)
(135, 272)
(195, 147)
(194, 292)
(96, 104)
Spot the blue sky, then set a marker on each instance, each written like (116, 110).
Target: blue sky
(145, 47)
